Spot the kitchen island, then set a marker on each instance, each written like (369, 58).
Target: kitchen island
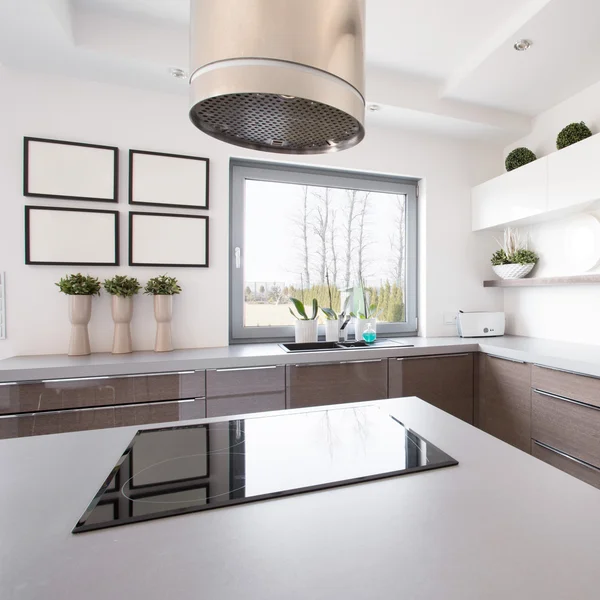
(499, 525)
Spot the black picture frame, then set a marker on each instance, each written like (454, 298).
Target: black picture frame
(132, 200)
(132, 263)
(29, 261)
(26, 170)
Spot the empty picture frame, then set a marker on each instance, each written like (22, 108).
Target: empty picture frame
(167, 240)
(159, 179)
(71, 236)
(70, 170)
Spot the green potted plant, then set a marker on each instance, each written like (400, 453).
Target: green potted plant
(306, 327)
(163, 288)
(513, 260)
(80, 289)
(122, 289)
(366, 313)
(332, 319)
(519, 157)
(571, 134)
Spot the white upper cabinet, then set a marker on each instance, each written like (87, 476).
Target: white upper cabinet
(574, 174)
(516, 195)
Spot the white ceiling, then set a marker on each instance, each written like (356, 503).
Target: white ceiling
(446, 64)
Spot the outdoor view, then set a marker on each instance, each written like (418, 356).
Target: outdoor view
(299, 237)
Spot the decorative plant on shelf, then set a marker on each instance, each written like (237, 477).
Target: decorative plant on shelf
(514, 259)
(122, 289)
(80, 289)
(519, 157)
(571, 134)
(163, 288)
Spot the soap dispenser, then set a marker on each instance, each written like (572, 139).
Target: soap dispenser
(369, 334)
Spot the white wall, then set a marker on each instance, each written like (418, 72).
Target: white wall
(560, 313)
(453, 260)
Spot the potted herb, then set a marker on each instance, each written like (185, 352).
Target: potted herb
(122, 289)
(365, 318)
(80, 289)
(514, 260)
(305, 328)
(163, 288)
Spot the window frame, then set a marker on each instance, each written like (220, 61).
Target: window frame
(242, 170)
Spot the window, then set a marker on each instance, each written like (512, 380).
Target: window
(294, 229)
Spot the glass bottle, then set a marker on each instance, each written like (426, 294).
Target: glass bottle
(369, 334)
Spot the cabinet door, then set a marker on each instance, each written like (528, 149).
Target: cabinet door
(444, 381)
(336, 383)
(505, 400)
(244, 390)
(515, 195)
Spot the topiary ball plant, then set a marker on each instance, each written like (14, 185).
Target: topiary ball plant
(571, 134)
(519, 157)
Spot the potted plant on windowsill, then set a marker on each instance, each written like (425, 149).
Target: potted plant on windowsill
(332, 319)
(513, 260)
(365, 317)
(80, 289)
(163, 288)
(305, 328)
(122, 289)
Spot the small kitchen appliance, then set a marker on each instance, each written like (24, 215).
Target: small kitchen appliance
(480, 324)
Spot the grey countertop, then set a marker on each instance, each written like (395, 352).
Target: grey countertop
(578, 358)
(499, 525)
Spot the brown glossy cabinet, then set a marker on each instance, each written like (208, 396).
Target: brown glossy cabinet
(504, 400)
(244, 390)
(319, 384)
(444, 381)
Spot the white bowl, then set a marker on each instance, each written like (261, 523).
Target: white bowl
(513, 271)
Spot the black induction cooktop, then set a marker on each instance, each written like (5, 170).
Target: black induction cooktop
(176, 470)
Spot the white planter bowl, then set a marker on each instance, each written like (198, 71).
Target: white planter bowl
(306, 331)
(513, 271)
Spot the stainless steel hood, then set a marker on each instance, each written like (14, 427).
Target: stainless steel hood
(281, 76)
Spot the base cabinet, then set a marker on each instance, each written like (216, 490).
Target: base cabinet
(336, 383)
(444, 381)
(504, 400)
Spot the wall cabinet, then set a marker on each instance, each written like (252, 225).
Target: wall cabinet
(504, 400)
(336, 383)
(444, 381)
(244, 390)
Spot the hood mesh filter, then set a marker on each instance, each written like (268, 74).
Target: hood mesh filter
(274, 123)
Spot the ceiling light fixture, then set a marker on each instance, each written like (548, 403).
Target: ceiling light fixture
(178, 73)
(522, 45)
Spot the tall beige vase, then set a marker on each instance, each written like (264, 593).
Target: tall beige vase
(80, 312)
(122, 312)
(163, 312)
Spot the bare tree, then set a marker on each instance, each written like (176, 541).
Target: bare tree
(398, 242)
(302, 223)
(351, 197)
(363, 238)
(332, 248)
(321, 227)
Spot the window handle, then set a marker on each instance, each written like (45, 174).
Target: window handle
(238, 254)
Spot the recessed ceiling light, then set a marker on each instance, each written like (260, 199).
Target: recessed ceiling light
(522, 45)
(373, 107)
(178, 73)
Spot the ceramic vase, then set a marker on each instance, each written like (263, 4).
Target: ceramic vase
(122, 311)
(332, 330)
(361, 325)
(163, 313)
(306, 331)
(80, 312)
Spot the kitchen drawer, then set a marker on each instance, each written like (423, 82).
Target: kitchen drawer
(160, 412)
(566, 463)
(245, 381)
(239, 405)
(577, 387)
(319, 384)
(60, 394)
(570, 427)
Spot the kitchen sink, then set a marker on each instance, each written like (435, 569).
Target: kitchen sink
(350, 345)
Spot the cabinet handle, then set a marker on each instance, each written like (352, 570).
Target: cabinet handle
(565, 371)
(569, 400)
(575, 460)
(514, 360)
(245, 369)
(355, 362)
(104, 377)
(92, 408)
(433, 356)
(341, 362)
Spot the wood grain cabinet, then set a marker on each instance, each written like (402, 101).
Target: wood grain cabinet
(320, 384)
(244, 390)
(503, 404)
(444, 381)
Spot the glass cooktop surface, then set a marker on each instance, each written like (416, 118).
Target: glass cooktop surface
(176, 470)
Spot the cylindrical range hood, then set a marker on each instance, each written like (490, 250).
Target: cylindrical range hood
(281, 76)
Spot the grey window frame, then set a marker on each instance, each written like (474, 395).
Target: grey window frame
(242, 170)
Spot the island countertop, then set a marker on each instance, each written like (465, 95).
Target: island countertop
(499, 525)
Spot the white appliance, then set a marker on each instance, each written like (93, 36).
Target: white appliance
(480, 324)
